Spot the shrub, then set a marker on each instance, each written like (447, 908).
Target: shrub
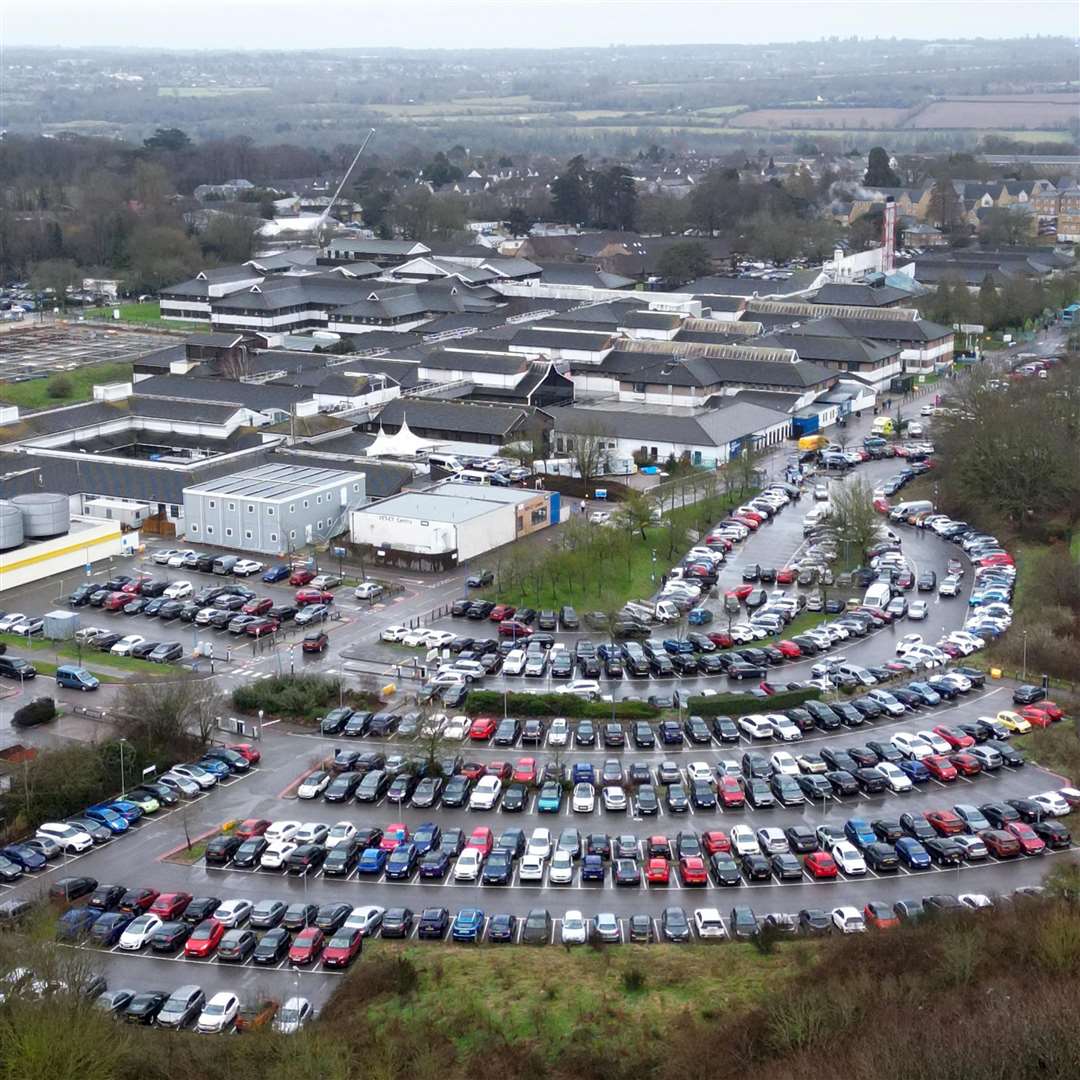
(633, 980)
(59, 386)
(483, 702)
(288, 695)
(40, 711)
(737, 704)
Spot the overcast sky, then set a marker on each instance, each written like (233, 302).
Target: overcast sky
(296, 24)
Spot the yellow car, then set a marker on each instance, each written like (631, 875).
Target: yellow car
(1014, 721)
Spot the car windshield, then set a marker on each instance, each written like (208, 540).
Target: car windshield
(289, 1016)
(214, 1009)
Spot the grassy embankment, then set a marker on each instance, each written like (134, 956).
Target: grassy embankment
(63, 388)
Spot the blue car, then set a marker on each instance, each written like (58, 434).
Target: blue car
(859, 832)
(435, 864)
(674, 646)
(372, 861)
(468, 925)
(426, 836)
(699, 617)
(550, 799)
(592, 868)
(402, 862)
(915, 771)
(75, 924)
(912, 854)
(215, 766)
(25, 857)
(128, 810)
(108, 928)
(583, 773)
(111, 819)
(277, 573)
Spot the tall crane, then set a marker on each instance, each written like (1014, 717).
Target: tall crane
(348, 172)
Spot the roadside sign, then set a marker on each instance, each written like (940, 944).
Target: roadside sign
(149, 771)
(89, 569)
(338, 552)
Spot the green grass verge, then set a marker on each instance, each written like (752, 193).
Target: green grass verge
(91, 659)
(190, 856)
(148, 314)
(1056, 748)
(65, 388)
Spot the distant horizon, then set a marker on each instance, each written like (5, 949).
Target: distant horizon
(517, 25)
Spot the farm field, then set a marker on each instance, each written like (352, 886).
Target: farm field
(824, 118)
(209, 91)
(995, 113)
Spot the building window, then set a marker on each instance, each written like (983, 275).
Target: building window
(356, 487)
(273, 538)
(251, 508)
(306, 504)
(228, 532)
(174, 510)
(194, 527)
(318, 499)
(292, 508)
(269, 511)
(209, 530)
(292, 534)
(232, 506)
(247, 534)
(212, 504)
(539, 515)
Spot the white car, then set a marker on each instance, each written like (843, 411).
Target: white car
(614, 798)
(179, 558)
(311, 832)
(71, 840)
(783, 763)
(1052, 803)
(340, 833)
(912, 746)
(561, 870)
(414, 638)
(583, 800)
(368, 590)
(162, 557)
(294, 1014)
(743, 841)
(433, 725)
(486, 793)
(313, 785)
(575, 930)
(456, 729)
(438, 638)
(972, 846)
(755, 726)
(848, 858)
(182, 784)
(247, 567)
(124, 646)
(975, 900)
(896, 778)
(772, 841)
(531, 868)
(848, 920)
(709, 924)
(178, 590)
(783, 728)
(233, 912)
(282, 830)
(908, 641)
(698, 770)
(393, 633)
(559, 732)
(448, 677)
(918, 610)
(200, 775)
(514, 664)
(11, 620)
(539, 843)
(366, 919)
(469, 864)
(586, 688)
(138, 932)
(219, 1013)
(935, 740)
(728, 767)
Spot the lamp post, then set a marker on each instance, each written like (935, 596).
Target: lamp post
(1024, 636)
(123, 780)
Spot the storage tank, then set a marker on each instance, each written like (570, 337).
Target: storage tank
(11, 525)
(44, 514)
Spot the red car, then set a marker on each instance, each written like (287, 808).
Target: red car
(692, 870)
(721, 639)
(966, 764)
(820, 864)
(1030, 844)
(790, 650)
(995, 560)
(395, 834)
(880, 915)
(115, 601)
(134, 587)
(741, 592)
(343, 948)
(250, 827)
(525, 770)
(260, 627)
(882, 506)
(730, 793)
(258, 606)
(204, 938)
(785, 575)
(715, 840)
(1055, 711)
(716, 540)
(317, 642)
(958, 740)
(307, 946)
(1000, 844)
(248, 752)
(513, 629)
(742, 519)
(138, 900)
(472, 770)
(940, 768)
(482, 728)
(482, 839)
(657, 871)
(502, 769)
(502, 611)
(314, 596)
(1037, 716)
(301, 577)
(945, 822)
(170, 905)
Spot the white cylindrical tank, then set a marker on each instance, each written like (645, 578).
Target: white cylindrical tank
(11, 526)
(44, 514)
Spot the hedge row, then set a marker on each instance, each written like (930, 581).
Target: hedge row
(739, 704)
(487, 702)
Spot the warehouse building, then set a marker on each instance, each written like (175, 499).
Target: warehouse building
(273, 509)
(450, 523)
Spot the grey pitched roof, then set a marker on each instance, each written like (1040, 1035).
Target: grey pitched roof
(904, 330)
(718, 285)
(859, 295)
(826, 347)
(215, 339)
(588, 341)
(190, 411)
(429, 414)
(257, 396)
(507, 363)
(582, 274)
(709, 371)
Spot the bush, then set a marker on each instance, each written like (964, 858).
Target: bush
(484, 702)
(59, 386)
(288, 695)
(738, 704)
(40, 711)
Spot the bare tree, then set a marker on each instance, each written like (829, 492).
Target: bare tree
(587, 451)
(854, 518)
(158, 715)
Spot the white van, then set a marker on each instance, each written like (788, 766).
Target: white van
(666, 611)
(904, 510)
(445, 461)
(878, 596)
(816, 516)
(473, 476)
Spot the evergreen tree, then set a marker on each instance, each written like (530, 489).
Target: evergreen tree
(879, 172)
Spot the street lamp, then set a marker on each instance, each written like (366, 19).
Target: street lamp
(1024, 636)
(123, 781)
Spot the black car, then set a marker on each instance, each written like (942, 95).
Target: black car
(502, 928)
(917, 826)
(585, 734)
(1029, 810)
(397, 922)
(341, 858)
(299, 915)
(537, 928)
(676, 799)
(697, 731)
(999, 814)
(202, 907)
(170, 936)
(568, 618)
(456, 792)
(814, 921)
(515, 796)
(532, 731)
(786, 789)
(870, 781)
(248, 854)
(273, 946)
(725, 729)
(801, 838)
(674, 924)
(885, 751)
(648, 804)
(643, 735)
(1053, 834)
(498, 868)
(943, 851)
(881, 857)
(888, 832)
(1028, 695)
(756, 867)
(815, 786)
(843, 782)
(613, 735)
